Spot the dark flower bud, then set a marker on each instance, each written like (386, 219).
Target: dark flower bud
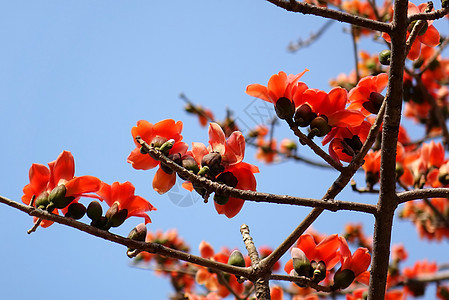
(399, 170)
(75, 211)
(417, 288)
(101, 223)
(354, 143)
(94, 210)
(343, 279)
(236, 259)
(176, 157)
(423, 28)
(213, 161)
(371, 178)
(116, 216)
(384, 57)
(189, 163)
(230, 180)
(158, 141)
(443, 177)
(57, 197)
(319, 272)
(374, 103)
(319, 127)
(304, 115)
(42, 200)
(138, 233)
(445, 3)
(434, 64)
(418, 63)
(285, 108)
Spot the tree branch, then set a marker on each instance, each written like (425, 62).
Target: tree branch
(437, 14)
(423, 193)
(305, 8)
(211, 186)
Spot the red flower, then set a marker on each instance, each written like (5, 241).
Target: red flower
(123, 195)
(279, 86)
(231, 152)
(366, 95)
(60, 172)
(156, 135)
(357, 263)
(428, 35)
(325, 251)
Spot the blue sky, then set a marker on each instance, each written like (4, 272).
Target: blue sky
(77, 75)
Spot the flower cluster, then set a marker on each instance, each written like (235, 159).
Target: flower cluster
(221, 161)
(315, 260)
(338, 116)
(57, 189)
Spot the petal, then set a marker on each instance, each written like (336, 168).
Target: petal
(168, 129)
(105, 192)
(431, 38)
(277, 85)
(39, 177)
(64, 167)
(235, 148)
(361, 259)
(179, 147)
(141, 161)
(231, 208)
(206, 249)
(198, 151)
(258, 91)
(338, 97)
(188, 186)
(307, 244)
(163, 182)
(346, 118)
(217, 138)
(413, 54)
(137, 206)
(144, 129)
(81, 185)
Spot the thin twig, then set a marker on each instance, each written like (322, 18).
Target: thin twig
(293, 47)
(437, 14)
(438, 214)
(354, 48)
(423, 193)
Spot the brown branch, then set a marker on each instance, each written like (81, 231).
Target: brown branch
(318, 151)
(153, 248)
(423, 193)
(439, 215)
(262, 281)
(304, 281)
(211, 186)
(356, 58)
(388, 200)
(305, 8)
(437, 14)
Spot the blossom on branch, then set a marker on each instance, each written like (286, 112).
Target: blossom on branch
(158, 135)
(56, 187)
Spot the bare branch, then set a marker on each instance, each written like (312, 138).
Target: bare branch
(423, 193)
(305, 8)
(437, 14)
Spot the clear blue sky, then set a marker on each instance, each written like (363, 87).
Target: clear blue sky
(77, 75)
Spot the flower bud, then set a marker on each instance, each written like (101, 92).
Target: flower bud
(165, 148)
(301, 263)
(75, 211)
(176, 157)
(319, 272)
(101, 223)
(158, 141)
(371, 178)
(116, 216)
(444, 3)
(42, 200)
(189, 163)
(230, 180)
(354, 143)
(213, 161)
(57, 197)
(443, 177)
(138, 233)
(399, 170)
(374, 103)
(384, 57)
(319, 127)
(285, 108)
(343, 279)
(418, 63)
(94, 210)
(304, 115)
(236, 259)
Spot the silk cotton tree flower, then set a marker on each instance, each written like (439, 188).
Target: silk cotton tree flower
(366, 95)
(280, 91)
(222, 161)
(156, 135)
(56, 187)
(124, 203)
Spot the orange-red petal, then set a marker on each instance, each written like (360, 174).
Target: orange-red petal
(163, 182)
